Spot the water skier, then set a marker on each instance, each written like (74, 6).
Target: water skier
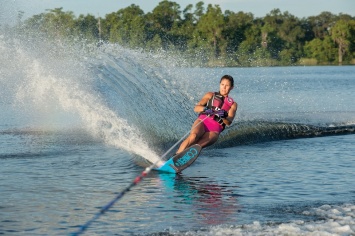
(216, 110)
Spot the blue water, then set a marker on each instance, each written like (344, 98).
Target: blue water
(78, 125)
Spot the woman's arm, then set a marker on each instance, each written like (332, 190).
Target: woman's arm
(231, 114)
(200, 106)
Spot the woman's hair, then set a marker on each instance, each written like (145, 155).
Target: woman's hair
(228, 77)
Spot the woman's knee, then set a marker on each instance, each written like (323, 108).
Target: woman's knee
(193, 138)
(208, 139)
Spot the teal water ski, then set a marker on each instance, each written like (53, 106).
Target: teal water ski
(181, 161)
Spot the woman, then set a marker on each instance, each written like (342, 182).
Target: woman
(216, 110)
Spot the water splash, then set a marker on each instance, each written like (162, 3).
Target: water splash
(48, 81)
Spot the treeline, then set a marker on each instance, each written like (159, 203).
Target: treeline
(210, 37)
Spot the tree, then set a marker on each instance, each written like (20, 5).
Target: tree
(270, 38)
(87, 27)
(59, 23)
(55, 23)
(161, 21)
(200, 11)
(245, 54)
(235, 28)
(341, 33)
(182, 31)
(283, 35)
(293, 35)
(165, 14)
(321, 24)
(155, 44)
(208, 33)
(322, 50)
(126, 26)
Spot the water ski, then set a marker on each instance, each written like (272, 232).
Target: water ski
(181, 161)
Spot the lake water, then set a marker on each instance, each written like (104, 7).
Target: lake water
(77, 125)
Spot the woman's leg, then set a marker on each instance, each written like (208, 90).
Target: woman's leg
(195, 134)
(208, 139)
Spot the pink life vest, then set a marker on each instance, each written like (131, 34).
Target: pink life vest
(218, 102)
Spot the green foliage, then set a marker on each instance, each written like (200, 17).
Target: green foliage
(323, 51)
(341, 33)
(126, 27)
(208, 33)
(207, 36)
(86, 27)
(236, 25)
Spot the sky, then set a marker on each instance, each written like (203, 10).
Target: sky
(259, 8)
